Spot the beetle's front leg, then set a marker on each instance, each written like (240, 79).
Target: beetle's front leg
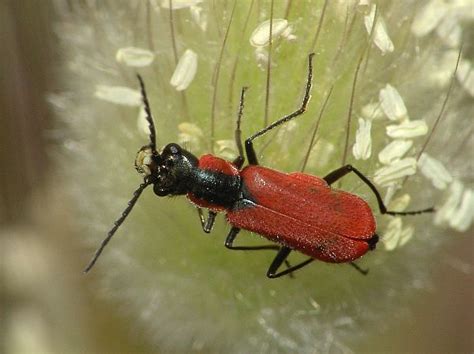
(208, 224)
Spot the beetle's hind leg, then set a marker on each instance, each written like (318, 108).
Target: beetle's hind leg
(344, 170)
(280, 258)
(359, 269)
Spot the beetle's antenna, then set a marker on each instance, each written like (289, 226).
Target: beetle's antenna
(149, 117)
(117, 223)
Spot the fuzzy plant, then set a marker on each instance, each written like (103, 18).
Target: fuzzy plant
(392, 95)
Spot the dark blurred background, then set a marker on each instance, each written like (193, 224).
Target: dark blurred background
(46, 305)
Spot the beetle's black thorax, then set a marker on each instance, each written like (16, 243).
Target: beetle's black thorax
(177, 172)
(214, 187)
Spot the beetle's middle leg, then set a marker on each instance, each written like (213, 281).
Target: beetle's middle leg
(280, 258)
(229, 243)
(344, 170)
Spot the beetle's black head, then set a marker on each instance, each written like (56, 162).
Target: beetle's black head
(170, 171)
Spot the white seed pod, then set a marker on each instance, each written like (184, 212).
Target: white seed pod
(392, 103)
(226, 149)
(462, 219)
(118, 94)
(394, 151)
(390, 193)
(408, 129)
(390, 174)
(428, 17)
(135, 57)
(380, 36)
(435, 171)
(449, 208)
(400, 204)
(190, 135)
(372, 111)
(260, 37)
(185, 70)
(362, 148)
(391, 234)
(395, 236)
(199, 17)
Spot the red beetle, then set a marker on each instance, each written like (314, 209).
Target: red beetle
(297, 211)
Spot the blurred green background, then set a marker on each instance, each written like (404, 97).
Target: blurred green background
(48, 306)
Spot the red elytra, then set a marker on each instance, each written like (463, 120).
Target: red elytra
(297, 210)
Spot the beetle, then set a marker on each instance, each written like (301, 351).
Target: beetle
(296, 211)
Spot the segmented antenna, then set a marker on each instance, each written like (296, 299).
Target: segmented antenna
(149, 117)
(117, 223)
(238, 132)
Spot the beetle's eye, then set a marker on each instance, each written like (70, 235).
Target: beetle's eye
(174, 149)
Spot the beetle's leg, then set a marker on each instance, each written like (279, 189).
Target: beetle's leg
(239, 160)
(344, 170)
(359, 269)
(281, 258)
(251, 155)
(229, 243)
(209, 223)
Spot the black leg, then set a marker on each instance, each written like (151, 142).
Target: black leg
(208, 224)
(229, 243)
(344, 170)
(359, 269)
(251, 155)
(239, 161)
(279, 259)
